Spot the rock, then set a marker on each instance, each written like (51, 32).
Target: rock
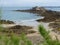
(56, 27)
(38, 8)
(6, 22)
(49, 16)
(34, 10)
(19, 29)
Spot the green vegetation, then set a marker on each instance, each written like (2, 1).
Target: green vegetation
(0, 13)
(14, 40)
(47, 38)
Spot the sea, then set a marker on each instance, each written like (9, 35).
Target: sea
(23, 17)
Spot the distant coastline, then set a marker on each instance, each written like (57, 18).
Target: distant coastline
(46, 13)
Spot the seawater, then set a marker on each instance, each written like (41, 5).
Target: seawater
(21, 17)
(9, 14)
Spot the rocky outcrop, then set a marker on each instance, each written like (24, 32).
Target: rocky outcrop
(50, 16)
(19, 29)
(38, 9)
(34, 10)
(6, 22)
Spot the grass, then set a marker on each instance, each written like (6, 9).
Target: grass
(14, 40)
(47, 38)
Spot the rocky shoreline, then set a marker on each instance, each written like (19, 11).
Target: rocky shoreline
(49, 15)
(6, 22)
(18, 29)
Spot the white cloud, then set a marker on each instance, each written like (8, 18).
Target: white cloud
(28, 2)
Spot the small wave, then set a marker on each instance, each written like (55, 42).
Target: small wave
(32, 19)
(28, 22)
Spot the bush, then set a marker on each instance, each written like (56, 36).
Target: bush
(46, 36)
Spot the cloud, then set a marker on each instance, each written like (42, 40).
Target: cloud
(28, 2)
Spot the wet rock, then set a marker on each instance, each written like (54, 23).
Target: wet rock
(6, 22)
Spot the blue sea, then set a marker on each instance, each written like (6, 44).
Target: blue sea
(15, 16)
(9, 14)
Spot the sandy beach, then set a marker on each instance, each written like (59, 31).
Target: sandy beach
(34, 37)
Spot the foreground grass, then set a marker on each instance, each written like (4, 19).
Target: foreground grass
(47, 38)
(14, 40)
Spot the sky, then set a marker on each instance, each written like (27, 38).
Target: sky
(24, 3)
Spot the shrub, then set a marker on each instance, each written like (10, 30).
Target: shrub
(46, 36)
